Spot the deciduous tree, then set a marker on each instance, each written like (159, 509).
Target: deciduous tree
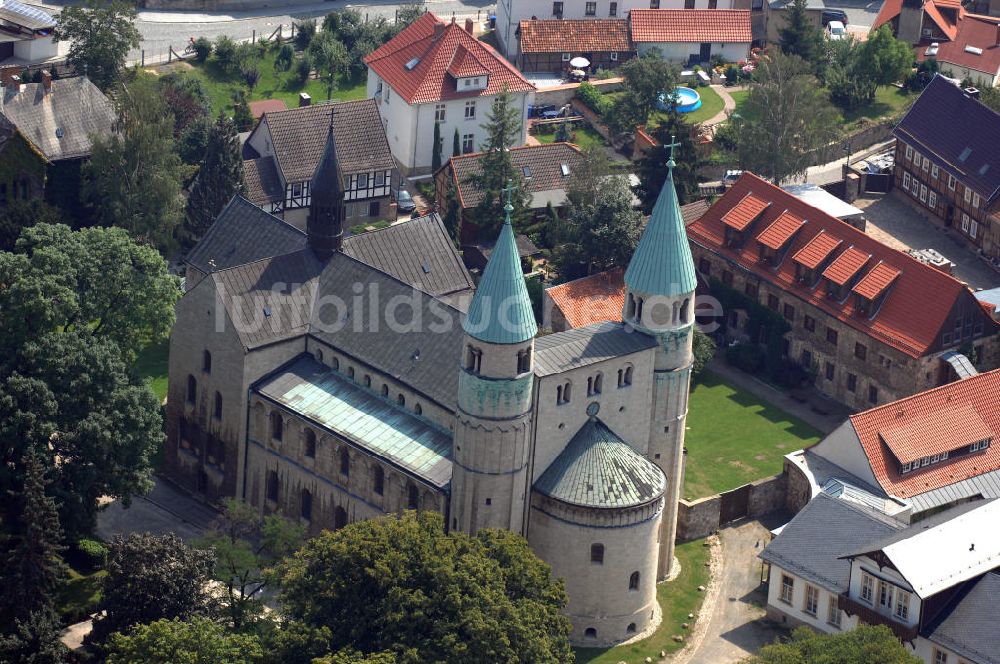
(652, 168)
(194, 641)
(329, 57)
(101, 34)
(643, 80)
(862, 645)
(219, 178)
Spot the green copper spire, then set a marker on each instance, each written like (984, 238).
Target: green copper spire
(500, 312)
(662, 263)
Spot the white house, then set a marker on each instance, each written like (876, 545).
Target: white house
(438, 73)
(692, 36)
(838, 564)
(25, 33)
(510, 13)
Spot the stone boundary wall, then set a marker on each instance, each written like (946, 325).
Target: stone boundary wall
(859, 140)
(561, 95)
(700, 518)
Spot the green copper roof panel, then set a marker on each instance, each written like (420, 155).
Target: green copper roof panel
(383, 428)
(662, 263)
(500, 312)
(599, 469)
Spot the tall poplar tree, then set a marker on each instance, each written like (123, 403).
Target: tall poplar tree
(436, 154)
(219, 178)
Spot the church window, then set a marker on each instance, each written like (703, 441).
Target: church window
(277, 425)
(562, 394)
(473, 359)
(379, 483)
(350, 372)
(339, 518)
(306, 507)
(412, 497)
(633, 581)
(218, 406)
(686, 311)
(401, 400)
(368, 380)
(319, 355)
(594, 384)
(590, 633)
(625, 377)
(206, 362)
(418, 409)
(524, 361)
(597, 554)
(310, 450)
(385, 390)
(336, 364)
(272, 486)
(345, 462)
(638, 310)
(192, 392)
(630, 629)
(630, 312)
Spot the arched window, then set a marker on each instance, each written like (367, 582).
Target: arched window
(345, 462)
(675, 316)
(310, 450)
(559, 398)
(336, 363)
(277, 425)
(628, 375)
(401, 400)
(206, 362)
(566, 392)
(412, 496)
(385, 390)
(598, 383)
(524, 361)
(597, 553)
(319, 355)
(473, 359)
(685, 311)
(638, 309)
(368, 380)
(272, 486)
(218, 406)
(339, 518)
(418, 409)
(350, 372)
(192, 394)
(630, 629)
(633, 581)
(379, 480)
(621, 377)
(306, 506)
(630, 310)
(590, 633)
(590, 385)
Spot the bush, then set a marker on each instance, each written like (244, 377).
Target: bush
(304, 34)
(746, 357)
(225, 53)
(732, 75)
(192, 142)
(593, 98)
(202, 48)
(283, 61)
(242, 116)
(304, 68)
(93, 553)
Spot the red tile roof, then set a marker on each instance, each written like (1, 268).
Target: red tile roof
(691, 25)
(972, 30)
(929, 423)
(565, 36)
(815, 251)
(891, 9)
(912, 316)
(262, 106)
(592, 299)
(464, 64)
(947, 22)
(429, 80)
(876, 281)
(744, 212)
(780, 231)
(846, 265)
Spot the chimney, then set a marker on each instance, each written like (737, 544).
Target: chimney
(10, 78)
(438, 30)
(972, 92)
(469, 26)
(304, 99)
(46, 81)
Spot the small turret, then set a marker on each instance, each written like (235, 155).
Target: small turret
(325, 224)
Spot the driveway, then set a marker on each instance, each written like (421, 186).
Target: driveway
(893, 222)
(736, 628)
(165, 510)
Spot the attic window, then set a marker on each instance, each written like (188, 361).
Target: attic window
(983, 169)
(267, 312)
(526, 170)
(965, 154)
(59, 132)
(425, 267)
(411, 64)
(564, 169)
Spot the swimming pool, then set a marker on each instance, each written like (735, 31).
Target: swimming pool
(687, 100)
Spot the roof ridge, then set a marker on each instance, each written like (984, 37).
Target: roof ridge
(925, 394)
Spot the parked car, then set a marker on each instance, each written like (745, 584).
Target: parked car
(836, 31)
(405, 202)
(834, 15)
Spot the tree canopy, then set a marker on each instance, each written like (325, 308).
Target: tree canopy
(863, 645)
(801, 36)
(643, 79)
(101, 34)
(219, 178)
(198, 640)
(428, 595)
(652, 168)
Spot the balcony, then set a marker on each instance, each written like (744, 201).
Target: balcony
(870, 616)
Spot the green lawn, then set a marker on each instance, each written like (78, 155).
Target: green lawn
(677, 598)
(581, 135)
(889, 101)
(734, 438)
(152, 365)
(739, 96)
(79, 595)
(711, 104)
(222, 86)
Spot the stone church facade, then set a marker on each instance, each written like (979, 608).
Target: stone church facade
(334, 379)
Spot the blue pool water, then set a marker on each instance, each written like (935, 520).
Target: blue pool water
(687, 100)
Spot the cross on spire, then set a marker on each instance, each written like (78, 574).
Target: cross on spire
(673, 144)
(508, 208)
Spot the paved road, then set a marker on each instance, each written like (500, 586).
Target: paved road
(736, 628)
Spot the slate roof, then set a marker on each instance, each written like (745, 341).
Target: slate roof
(840, 526)
(930, 127)
(358, 415)
(59, 123)
(600, 470)
(543, 161)
(690, 25)
(428, 80)
(937, 410)
(912, 314)
(24, 15)
(263, 183)
(601, 35)
(299, 138)
(968, 624)
(243, 233)
(561, 351)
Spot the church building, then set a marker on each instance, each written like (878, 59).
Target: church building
(334, 379)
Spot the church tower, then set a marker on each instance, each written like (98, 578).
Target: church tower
(659, 300)
(494, 419)
(324, 226)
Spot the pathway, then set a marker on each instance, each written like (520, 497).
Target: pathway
(728, 106)
(166, 509)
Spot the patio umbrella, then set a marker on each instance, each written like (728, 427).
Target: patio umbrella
(579, 62)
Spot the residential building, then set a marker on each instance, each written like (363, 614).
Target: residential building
(438, 73)
(282, 153)
(837, 565)
(298, 385)
(26, 33)
(693, 36)
(546, 171)
(913, 457)
(965, 44)
(46, 133)
(872, 323)
(549, 45)
(950, 170)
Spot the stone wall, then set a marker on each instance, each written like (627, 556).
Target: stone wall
(798, 490)
(561, 95)
(702, 517)
(767, 495)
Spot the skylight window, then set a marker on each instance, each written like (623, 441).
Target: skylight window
(983, 169)
(975, 50)
(526, 171)
(564, 169)
(965, 154)
(411, 64)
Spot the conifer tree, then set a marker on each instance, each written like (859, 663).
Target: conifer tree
(652, 168)
(801, 36)
(456, 145)
(219, 178)
(436, 153)
(34, 640)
